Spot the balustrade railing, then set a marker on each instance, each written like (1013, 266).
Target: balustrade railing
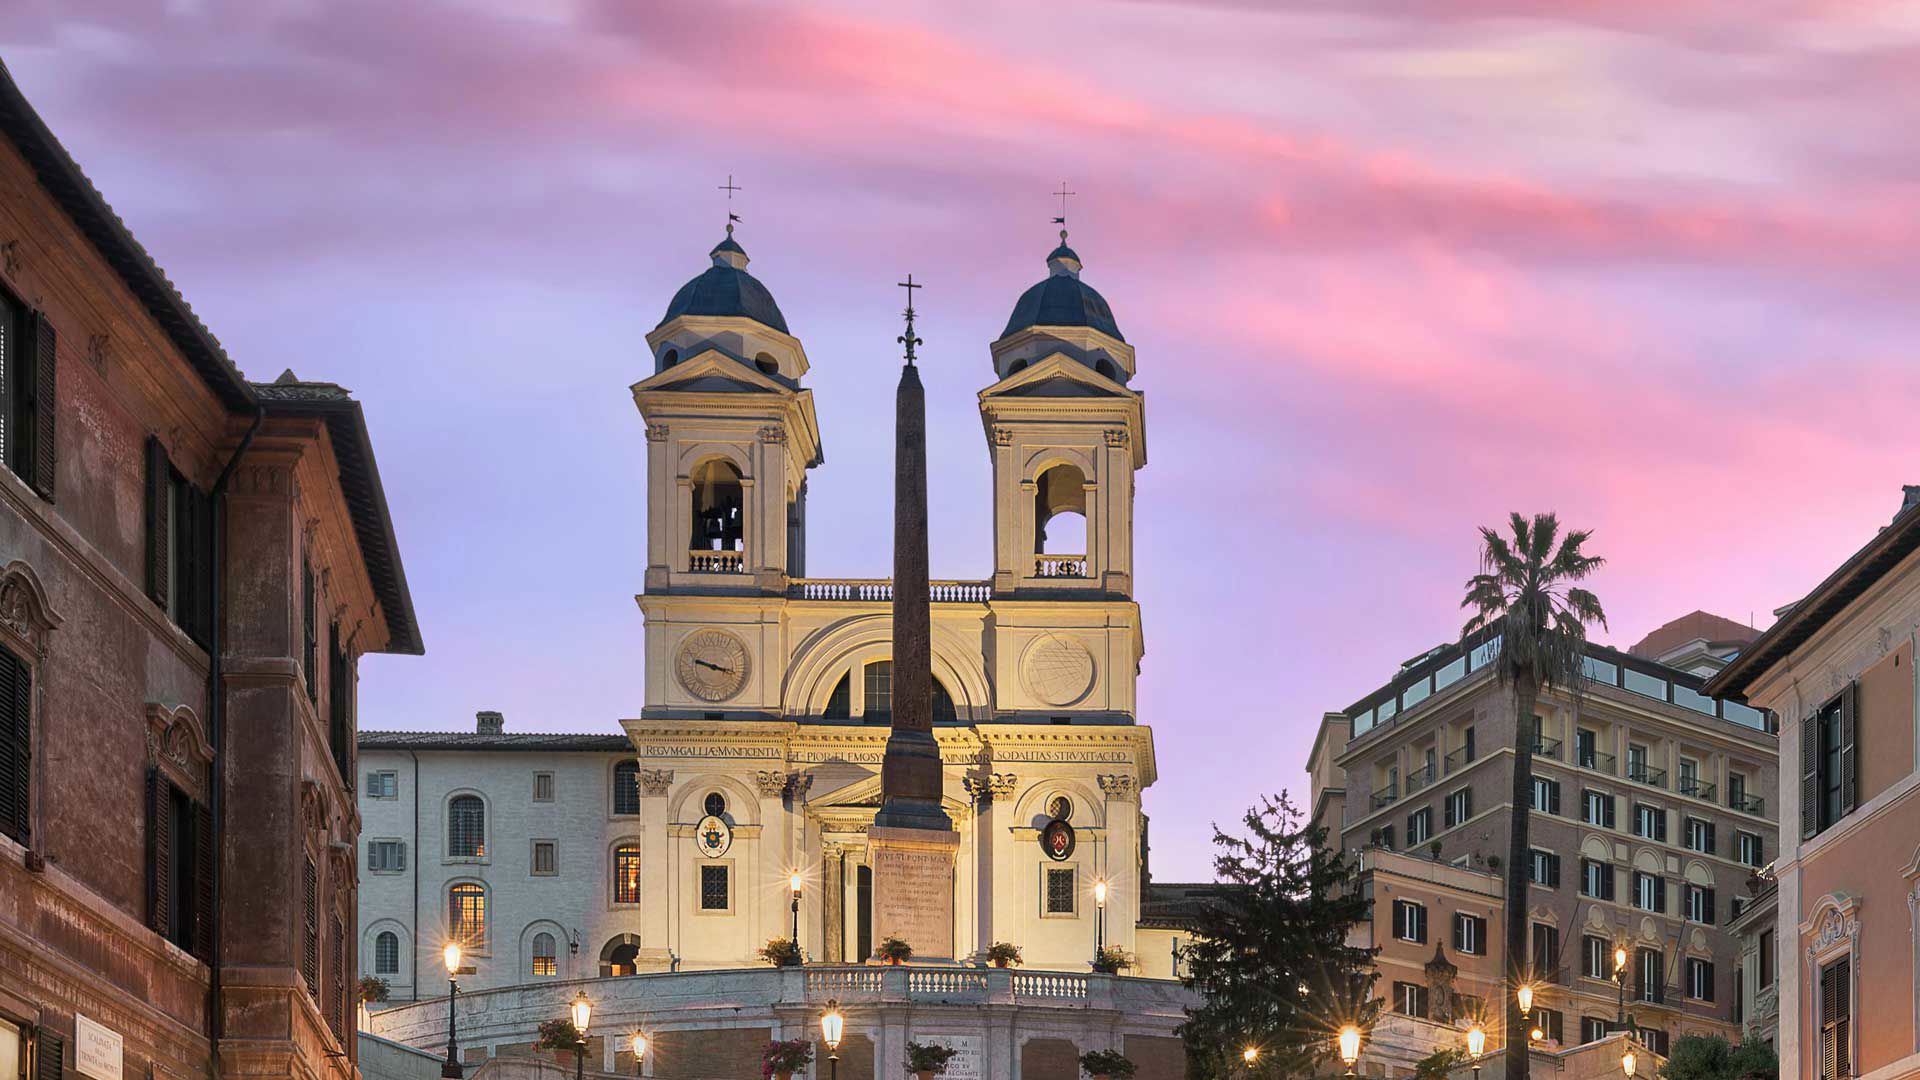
(1060, 566)
(938, 982)
(880, 590)
(1419, 778)
(843, 982)
(1642, 773)
(717, 562)
(1049, 984)
(1698, 788)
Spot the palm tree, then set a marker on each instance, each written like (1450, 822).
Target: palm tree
(1523, 593)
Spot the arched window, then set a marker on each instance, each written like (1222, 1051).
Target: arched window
(543, 961)
(767, 364)
(466, 827)
(1105, 367)
(716, 804)
(626, 873)
(1016, 366)
(386, 953)
(718, 524)
(879, 689)
(624, 959)
(840, 702)
(467, 915)
(1060, 492)
(669, 358)
(943, 711)
(626, 788)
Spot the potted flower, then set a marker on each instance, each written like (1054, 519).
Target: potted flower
(782, 952)
(783, 1059)
(373, 989)
(1003, 954)
(1112, 960)
(1106, 1065)
(894, 951)
(927, 1061)
(560, 1035)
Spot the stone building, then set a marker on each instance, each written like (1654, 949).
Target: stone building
(1649, 817)
(191, 565)
(1837, 669)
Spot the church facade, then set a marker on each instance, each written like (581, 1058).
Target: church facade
(754, 765)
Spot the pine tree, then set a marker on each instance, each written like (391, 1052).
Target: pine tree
(1270, 956)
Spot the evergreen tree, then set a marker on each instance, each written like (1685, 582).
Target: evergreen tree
(1709, 1057)
(1270, 956)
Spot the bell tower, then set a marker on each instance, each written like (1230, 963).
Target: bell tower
(1066, 434)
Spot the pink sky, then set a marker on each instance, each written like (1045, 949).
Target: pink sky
(1392, 270)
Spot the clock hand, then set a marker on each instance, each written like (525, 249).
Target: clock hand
(715, 667)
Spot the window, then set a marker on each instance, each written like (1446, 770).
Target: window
(1410, 999)
(27, 393)
(1459, 807)
(1699, 979)
(1543, 868)
(1596, 957)
(1586, 749)
(715, 888)
(1655, 1039)
(1739, 994)
(1383, 837)
(310, 927)
(1546, 952)
(179, 545)
(546, 858)
(626, 874)
(383, 785)
(1649, 892)
(943, 710)
(626, 788)
(1751, 851)
(386, 953)
(1650, 980)
(1061, 893)
(1546, 795)
(466, 827)
(879, 687)
(1410, 921)
(840, 702)
(1596, 879)
(1596, 808)
(1420, 825)
(1765, 976)
(1827, 781)
(1467, 742)
(1700, 835)
(1594, 1028)
(467, 915)
(1737, 790)
(543, 960)
(1699, 904)
(715, 805)
(543, 787)
(16, 746)
(340, 716)
(1552, 1023)
(180, 865)
(1649, 822)
(386, 856)
(1469, 934)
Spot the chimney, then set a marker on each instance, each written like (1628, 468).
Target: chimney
(1909, 494)
(489, 723)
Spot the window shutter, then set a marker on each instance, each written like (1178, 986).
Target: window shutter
(1809, 776)
(1829, 1027)
(16, 746)
(159, 851)
(400, 856)
(1849, 776)
(1712, 845)
(1711, 908)
(159, 520)
(1553, 797)
(1420, 924)
(203, 882)
(1706, 975)
(41, 468)
(311, 666)
(1609, 802)
(1553, 870)
(49, 1054)
(310, 951)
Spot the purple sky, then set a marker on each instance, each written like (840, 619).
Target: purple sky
(1392, 270)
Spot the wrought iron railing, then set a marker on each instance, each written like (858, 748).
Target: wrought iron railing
(1747, 804)
(1598, 761)
(1697, 788)
(1459, 759)
(1420, 778)
(1546, 747)
(1642, 773)
(1386, 796)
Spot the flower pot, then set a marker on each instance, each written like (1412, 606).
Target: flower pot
(894, 961)
(999, 963)
(924, 1074)
(782, 1076)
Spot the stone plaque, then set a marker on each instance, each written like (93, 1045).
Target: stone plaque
(913, 887)
(98, 1050)
(965, 1065)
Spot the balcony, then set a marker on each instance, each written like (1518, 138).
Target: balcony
(1598, 761)
(1747, 804)
(1060, 566)
(880, 590)
(1696, 788)
(717, 562)
(1642, 773)
(1457, 760)
(1386, 796)
(1545, 747)
(1420, 778)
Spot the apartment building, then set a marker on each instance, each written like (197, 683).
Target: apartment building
(1837, 669)
(1650, 813)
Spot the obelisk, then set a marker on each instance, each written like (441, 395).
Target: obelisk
(912, 844)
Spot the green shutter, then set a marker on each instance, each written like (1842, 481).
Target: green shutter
(1810, 776)
(1849, 775)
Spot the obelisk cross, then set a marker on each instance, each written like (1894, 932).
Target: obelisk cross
(909, 339)
(730, 187)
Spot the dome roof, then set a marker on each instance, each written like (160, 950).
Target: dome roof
(726, 290)
(1063, 299)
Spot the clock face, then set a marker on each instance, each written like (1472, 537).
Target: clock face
(1058, 670)
(712, 664)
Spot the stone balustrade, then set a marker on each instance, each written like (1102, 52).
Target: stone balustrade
(1060, 566)
(880, 590)
(717, 562)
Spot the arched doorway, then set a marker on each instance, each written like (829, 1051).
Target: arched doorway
(620, 956)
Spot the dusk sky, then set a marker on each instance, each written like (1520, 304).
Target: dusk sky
(1392, 270)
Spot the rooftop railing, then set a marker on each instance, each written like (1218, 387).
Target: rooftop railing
(880, 590)
(1060, 566)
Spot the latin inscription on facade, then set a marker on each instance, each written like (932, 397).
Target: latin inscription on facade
(913, 887)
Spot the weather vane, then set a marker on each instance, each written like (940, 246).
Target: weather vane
(1062, 219)
(730, 187)
(909, 339)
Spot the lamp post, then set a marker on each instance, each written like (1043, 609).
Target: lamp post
(639, 1054)
(582, 1013)
(450, 1069)
(1247, 1057)
(1100, 928)
(1620, 976)
(793, 884)
(1476, 1045)
(1629, 1061)
(1350, 1047)
(832, 1025)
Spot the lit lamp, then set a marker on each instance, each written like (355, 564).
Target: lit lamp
(582, 1009)
(832, 1026)
(639, 1054)
(1629, 1061)
(793, 884)
(1350, 1047)
(1250, 1055)
(1476, 1045)
(450, 1069)
(1534, 1034)
(1525, 994)
(1100, 930)
(1620, 976)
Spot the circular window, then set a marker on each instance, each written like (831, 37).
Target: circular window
(767, 364)
(1060, 808)
(669, 358)
(716, 805)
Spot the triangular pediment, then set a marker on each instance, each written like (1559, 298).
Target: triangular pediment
(1057, 375)
(711, 372)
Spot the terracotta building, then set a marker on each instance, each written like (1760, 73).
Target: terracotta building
(190, 566)
(1837, 669)
(1648, 820)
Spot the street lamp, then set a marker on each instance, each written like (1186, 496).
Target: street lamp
(1629, 1061)
(1620, 976)
(639, 1053)
(1476, 1045)
(1525, 994)
(1250, 1055)
(450, 1069)
(1350, 1047)
(1100, 930)
(793, 884)
(832, 1026)
(582, 1013)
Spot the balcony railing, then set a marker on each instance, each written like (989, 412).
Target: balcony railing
(1457, 760)
(1060, 566)
(717, 562)
(1420, 778)
(1747, 804)
(880, 590)
(1642, 773)
(1386, 796)
(1598, 761)
(1697, 788)
(1545, 747)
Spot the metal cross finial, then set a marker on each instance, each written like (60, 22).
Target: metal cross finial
(730, 187)
(1063, 193)
(909, 339)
